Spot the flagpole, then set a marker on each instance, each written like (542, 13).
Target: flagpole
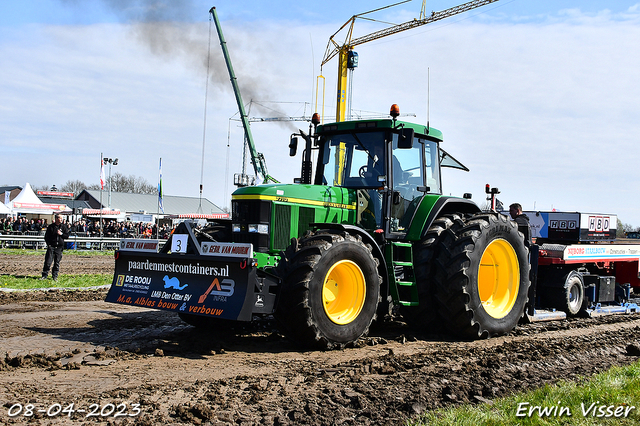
(101, 186)
(159, 201)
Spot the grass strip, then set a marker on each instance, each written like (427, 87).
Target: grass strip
(41, 252)
(64, 281)
(608, 398)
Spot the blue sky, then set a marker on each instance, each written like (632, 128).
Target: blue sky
(538, 98)
(86, 12)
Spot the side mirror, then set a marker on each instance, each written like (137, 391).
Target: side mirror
(293, 146)
(405, 139)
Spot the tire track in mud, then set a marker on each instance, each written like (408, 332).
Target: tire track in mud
(62, 347)
(93, 352)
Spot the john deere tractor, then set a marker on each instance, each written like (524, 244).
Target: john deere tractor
(327, 254)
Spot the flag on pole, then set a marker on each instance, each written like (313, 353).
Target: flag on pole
(102, 180)
(160, 195)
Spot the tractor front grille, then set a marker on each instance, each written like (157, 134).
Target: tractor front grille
(281, 226)
(307, 217)
(251, 212)
(280, 218)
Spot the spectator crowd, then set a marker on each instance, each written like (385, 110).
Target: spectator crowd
(86, 227)
(21, 225)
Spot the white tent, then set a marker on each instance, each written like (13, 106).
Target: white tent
(4, 209)
(27, 196)
(28, 202)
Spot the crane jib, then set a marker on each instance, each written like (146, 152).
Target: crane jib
(257, 159)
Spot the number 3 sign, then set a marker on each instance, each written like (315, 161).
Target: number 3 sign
(179, 243)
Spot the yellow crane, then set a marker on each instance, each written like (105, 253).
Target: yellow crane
(347, 59)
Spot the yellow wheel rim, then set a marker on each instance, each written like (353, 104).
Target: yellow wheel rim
(343, 292)
(498, 278)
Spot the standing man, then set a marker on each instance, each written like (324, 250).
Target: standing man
(515, 211)
(55, 235)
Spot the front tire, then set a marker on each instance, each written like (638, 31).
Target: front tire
(330, 290)
(482, 277)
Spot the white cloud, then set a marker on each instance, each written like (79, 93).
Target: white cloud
(546, 111)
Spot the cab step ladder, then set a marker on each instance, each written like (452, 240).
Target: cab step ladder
(399, 257)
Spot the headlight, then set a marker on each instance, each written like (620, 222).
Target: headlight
(259, 228)
(236, 227)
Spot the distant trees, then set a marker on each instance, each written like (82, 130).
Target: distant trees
(131, 184)
(75, 186)
(40, 188)
(623, 228)
(119, 183)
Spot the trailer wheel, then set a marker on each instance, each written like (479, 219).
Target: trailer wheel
(425, 316)
(330, 290)
(570, 297)
(482, 277)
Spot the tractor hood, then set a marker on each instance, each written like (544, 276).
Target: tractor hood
(308, 195)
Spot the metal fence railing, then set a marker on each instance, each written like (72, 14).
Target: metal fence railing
(76, 241)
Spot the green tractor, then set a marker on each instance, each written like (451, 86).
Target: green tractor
(386, 232)
(330, 253)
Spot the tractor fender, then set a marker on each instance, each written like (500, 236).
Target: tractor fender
(432, 207)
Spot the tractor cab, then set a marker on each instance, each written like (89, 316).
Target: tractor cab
(389, 164)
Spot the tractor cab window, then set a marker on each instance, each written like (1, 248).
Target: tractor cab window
(407, 175)
(408, 170)
(355, 160)
(432, 169)
(412, 168)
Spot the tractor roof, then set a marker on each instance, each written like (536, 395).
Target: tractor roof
(363, 125)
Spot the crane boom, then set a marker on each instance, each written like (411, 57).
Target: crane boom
(257, 159)
(435, 16)
(350, 43)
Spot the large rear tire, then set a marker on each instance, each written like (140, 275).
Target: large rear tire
(330, 290)
(482, 277)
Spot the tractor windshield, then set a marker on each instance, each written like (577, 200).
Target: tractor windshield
(355, 160)
(372, 163)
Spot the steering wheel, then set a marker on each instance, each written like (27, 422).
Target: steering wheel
(362, 171)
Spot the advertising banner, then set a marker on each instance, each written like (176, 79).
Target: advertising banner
(139, 217)
(602, 252)
(572, 226)
(139, 244)
(56, 194)
(220, 287)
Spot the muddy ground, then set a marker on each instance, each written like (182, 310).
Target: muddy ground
(31, 265)
(59, 348)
